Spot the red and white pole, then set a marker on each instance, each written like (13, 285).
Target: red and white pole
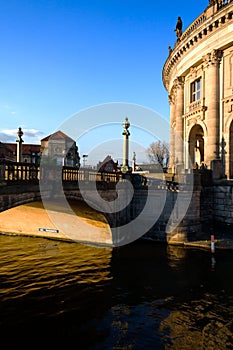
(212, 244)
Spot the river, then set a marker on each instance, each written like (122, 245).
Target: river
(143, 295)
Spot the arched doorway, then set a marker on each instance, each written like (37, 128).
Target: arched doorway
(231, 150)
(196, 145)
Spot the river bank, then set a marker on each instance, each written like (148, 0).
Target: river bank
(224, 243)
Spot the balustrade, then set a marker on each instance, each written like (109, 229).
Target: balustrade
(19, 172)
(222, 3)
(15, 172)
(216, 14)
(200, 19)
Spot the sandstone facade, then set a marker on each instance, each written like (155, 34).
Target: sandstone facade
(198, 75)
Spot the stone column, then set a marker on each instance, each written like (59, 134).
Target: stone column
(126, 134)
(19, 145)
(179, 134)
(171, 100)
(212, 61)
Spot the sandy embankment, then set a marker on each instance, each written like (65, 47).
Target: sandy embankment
(32, 219)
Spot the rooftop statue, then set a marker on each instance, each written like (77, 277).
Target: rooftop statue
(179, 26)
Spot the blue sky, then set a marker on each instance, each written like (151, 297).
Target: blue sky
(59, 57)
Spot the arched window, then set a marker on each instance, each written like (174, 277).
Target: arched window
(196, 144)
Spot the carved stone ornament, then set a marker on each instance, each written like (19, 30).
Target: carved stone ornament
(179, 82)
(216, 56)
(213, 57)
(193, 72)
(171, 98)
(192, 121)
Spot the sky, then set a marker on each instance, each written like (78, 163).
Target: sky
(60, 58)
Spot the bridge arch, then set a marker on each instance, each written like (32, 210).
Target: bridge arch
(31, 218)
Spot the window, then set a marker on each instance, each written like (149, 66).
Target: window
(195, 90)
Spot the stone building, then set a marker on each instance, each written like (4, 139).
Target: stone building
(30, 153)
(198, 75)
(61, 149)
(58, 147)
(6, 153)
(108, 165)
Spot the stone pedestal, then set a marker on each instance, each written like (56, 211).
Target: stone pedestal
(217, 169)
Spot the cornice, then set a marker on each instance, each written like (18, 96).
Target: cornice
(204, 26)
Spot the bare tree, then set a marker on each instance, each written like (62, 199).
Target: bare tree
(158, 153)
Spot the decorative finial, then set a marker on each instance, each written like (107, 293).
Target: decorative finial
(20, 133)
(126, 123)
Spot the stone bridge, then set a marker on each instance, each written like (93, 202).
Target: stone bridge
(128, 205)
(22, 183)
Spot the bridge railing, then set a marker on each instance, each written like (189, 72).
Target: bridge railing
(72, 174)
(14, 172)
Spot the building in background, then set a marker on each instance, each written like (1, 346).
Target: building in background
(198, 75)
(30, 153)
(108, 165)
(60, 149)
(6, 153)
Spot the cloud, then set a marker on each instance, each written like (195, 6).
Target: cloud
(4, 137)
(29, 135)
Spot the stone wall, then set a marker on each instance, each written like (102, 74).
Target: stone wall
(12, 196)
(217, 207)
(180, 220)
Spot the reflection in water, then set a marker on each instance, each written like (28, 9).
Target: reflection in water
(203, 323)
(49, 289)
(204, 318)
(175, 255)
(140, 296)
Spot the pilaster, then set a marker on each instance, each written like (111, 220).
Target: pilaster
(179, 134)
(212, 62)
(171, 100)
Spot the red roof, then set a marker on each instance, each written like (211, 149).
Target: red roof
(106, 162)
(58, 135)
(5, 146)
(26, 148)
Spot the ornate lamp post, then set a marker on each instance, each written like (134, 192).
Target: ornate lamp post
(19, 145)
(126, 134)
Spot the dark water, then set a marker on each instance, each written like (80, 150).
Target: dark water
(140, 296)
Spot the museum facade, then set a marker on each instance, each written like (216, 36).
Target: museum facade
(198, 76)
